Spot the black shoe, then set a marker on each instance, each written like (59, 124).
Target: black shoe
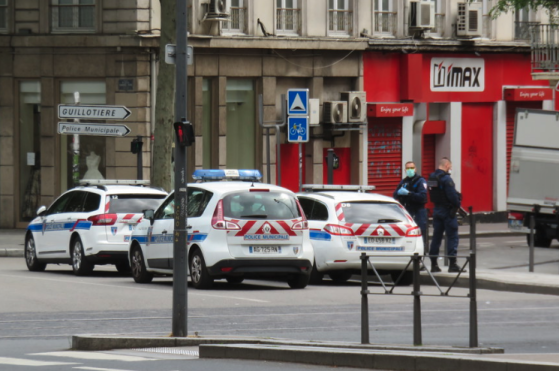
(435, 269)
(454, 268)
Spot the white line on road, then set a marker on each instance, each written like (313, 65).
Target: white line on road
(29, 362)
(82, 282)
(99, 369)
(95, 356)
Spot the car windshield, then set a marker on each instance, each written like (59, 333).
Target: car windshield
(372, 212)
(134, 203)
(260, 205)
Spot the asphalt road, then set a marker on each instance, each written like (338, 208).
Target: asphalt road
(39, 311)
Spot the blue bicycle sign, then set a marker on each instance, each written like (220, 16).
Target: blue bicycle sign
(298, 129)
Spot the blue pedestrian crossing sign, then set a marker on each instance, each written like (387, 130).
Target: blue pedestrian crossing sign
(298, 129)
(298, 102)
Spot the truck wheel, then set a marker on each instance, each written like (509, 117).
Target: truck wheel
(540, 239)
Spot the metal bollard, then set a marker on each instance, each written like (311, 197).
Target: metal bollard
(364, 301)
(472, 229)
(532, 243)
(417, 338)
(473, 301)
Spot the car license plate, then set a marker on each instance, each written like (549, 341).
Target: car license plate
(380, 248)
(380, 240)
(265, 249)
(515, 224)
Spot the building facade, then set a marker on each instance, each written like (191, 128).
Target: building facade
(107, 51)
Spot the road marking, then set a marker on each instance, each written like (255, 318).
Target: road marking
(81, 282)
(95, 356)
(99, 369)
(29, 362)
(517, 241)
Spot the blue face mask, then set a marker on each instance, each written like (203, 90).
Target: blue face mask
(410, 172)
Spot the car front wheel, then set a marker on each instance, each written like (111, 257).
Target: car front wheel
(80, 265)
(198, 272)
(31, 256)
(340, 277)
(298, 281)
(139, 270)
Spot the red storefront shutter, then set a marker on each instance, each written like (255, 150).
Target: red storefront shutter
(511, 111)
(384, 149)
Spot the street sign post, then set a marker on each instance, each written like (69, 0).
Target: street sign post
(93, 112)
(81, 128)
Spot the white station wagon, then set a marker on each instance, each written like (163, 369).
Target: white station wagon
(344, 224)
(236, 229)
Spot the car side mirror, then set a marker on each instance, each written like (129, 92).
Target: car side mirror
(41, 210)
(149, 215)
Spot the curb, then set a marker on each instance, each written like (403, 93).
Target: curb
(11, 253)
(371, 359)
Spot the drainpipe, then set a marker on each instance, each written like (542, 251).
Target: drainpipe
(153, 96)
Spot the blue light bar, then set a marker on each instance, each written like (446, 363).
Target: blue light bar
(228, 174)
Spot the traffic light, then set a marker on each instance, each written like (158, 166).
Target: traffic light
(136, 146)
(185, 133)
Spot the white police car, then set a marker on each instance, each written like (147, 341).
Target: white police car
(236, 230)
(344, 223)
(89, 225)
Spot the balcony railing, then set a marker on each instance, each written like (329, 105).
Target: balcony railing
(545, 48)
(385, 22)
(288, 20)
(522, 30)
(237, 20)
(340, 21)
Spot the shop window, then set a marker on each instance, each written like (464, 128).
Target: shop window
(241, 124)
(237, 20)
(439, 19)
(29, 148)
(288, 17)
(385, 17)
(340, 17)
(73, 15)
(523, 24)
(83, 156)
(3, 15)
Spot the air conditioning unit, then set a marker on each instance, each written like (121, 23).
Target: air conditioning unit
(356, 105)
(422, 14)
(335, 112)
(470, 19)
(219, 9)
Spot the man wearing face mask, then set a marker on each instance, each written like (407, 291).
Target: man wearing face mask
(412, 193)
(442, 191)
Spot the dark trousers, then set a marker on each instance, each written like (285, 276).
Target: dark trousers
(420, 218)
(443, 222)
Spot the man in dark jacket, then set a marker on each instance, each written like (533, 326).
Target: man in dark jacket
(412, 193)
(442, 191)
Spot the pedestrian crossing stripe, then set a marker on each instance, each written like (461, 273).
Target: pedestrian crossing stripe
(32, 363)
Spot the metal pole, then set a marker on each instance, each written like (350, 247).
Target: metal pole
(473, 301)
(180, 265)
(268, 150)
(364, 301)
(76, 148)
(139, 164)
(278, 155)
(531, 257)
(417, 338)
(330, 166)
(300, 167)
(472, 230)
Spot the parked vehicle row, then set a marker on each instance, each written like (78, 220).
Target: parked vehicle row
(237, 228)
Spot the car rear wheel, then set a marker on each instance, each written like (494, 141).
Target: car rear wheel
(198, 272)
(80, 265)
(138, 268)
(31, 256)
(406, 280)
(235, 280)
(298, 281)
(341, 276)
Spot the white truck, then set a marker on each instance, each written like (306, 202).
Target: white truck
(534, 175)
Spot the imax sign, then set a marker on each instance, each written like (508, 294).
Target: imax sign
(457, 74)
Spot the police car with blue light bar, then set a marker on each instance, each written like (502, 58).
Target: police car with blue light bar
(237, 228)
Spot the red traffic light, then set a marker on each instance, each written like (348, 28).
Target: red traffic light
(185, 133)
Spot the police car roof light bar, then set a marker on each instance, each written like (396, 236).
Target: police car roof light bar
(336, 187)
(95, 182)
(227, 174)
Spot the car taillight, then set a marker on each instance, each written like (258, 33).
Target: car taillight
(299, 226)
(516, 216)
(103, 219)
(218, 222)
(413, 232)
(338, 230)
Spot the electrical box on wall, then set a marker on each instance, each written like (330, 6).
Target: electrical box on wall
(314, 114)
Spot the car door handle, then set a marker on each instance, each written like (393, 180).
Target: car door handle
(164, 232)
(188, 227)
